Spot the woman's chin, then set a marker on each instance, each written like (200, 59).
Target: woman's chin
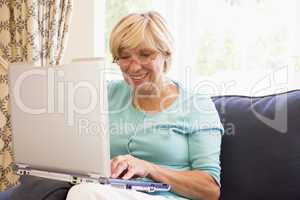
(137, 83)
(141, 83)
(143, 86)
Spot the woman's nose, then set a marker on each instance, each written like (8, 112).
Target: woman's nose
(134, 66)
(135, 63)
(135, 59)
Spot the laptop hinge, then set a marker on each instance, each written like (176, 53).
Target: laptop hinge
(95, 176)
(22, 166)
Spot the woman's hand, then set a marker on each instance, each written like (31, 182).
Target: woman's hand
(127, 166)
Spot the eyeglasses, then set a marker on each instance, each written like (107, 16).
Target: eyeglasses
(143, 58)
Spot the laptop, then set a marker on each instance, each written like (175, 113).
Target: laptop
(60, 125)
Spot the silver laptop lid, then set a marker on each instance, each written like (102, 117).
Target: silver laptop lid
(59, 118)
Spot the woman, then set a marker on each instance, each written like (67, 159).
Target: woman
(158, 129)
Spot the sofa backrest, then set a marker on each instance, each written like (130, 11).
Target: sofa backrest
(260, 156)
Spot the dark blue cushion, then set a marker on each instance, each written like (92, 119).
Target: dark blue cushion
(37, 188)
(260, 156)
(6, 195)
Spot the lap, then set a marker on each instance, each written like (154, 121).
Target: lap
(91, 191)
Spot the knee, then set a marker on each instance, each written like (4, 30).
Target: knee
(79, 191)
(86, 191)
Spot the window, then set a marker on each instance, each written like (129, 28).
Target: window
(244, 47)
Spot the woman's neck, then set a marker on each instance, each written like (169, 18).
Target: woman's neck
(158, 100)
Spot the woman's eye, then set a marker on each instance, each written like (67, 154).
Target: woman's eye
(145, 55)
(124, 57)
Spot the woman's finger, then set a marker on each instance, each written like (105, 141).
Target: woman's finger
(130, 173)
(122, 166)
(116, 161)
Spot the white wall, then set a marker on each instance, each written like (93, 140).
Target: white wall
(86, 36)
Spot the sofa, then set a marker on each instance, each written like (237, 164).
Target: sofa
(260, 152)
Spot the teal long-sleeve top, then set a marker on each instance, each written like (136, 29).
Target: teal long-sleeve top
(185, 136)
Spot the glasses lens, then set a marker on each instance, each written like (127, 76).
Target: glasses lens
(141, 58)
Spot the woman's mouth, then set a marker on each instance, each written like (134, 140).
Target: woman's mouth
(138, 77)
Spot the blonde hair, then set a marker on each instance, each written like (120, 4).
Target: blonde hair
(148, 28)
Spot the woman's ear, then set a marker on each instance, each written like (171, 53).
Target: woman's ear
(165, 66)
(167, 62)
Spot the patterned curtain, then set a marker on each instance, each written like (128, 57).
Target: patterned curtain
(7, 177)
(32, 31)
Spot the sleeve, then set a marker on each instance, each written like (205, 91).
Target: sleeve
(204, 152)
(204, 138)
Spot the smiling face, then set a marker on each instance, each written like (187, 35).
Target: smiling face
(142, 46)
(142, 67)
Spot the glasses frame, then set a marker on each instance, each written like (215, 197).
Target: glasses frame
(151, 59)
